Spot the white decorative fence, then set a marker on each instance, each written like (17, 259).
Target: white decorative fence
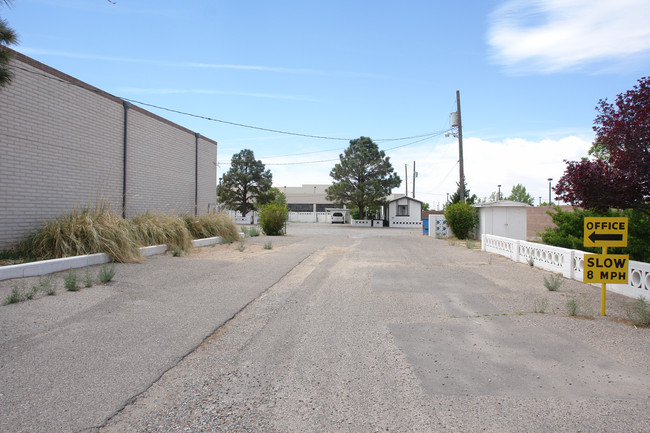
(362, 223)
(569, 263)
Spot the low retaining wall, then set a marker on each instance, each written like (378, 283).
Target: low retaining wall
(45, 267)
(569, 263)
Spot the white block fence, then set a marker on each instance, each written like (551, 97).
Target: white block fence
(569, 263)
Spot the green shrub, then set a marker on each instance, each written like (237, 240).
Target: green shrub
(253, 232)
(461, 218)
(272, 218)
(569, 231)
(268, 245)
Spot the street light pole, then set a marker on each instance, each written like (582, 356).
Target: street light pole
(499, 193)
(549, 191)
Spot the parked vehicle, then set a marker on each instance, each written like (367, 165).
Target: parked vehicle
(337, 217)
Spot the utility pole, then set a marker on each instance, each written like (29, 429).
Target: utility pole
(406, 178)
(460, 149)
(414, 176)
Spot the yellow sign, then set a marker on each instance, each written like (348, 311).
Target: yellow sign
(606, 268)
(605, 232)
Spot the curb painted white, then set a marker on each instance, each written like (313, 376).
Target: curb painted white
(45, 267)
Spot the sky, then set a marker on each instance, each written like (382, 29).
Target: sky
(529, 72)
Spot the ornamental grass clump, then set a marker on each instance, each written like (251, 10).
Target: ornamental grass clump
(86, 231)
(151, 229)
(211, 225)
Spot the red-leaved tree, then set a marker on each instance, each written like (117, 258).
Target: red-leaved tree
(619, 175)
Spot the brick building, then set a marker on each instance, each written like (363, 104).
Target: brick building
(65, 143)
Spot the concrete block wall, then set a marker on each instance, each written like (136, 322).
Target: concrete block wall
(538, 220)
(61, 146)
(160, 178)
(207, 174)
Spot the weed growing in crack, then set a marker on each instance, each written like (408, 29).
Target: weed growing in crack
(553, 282)
(70, 281)
(106, 274)
(540, 305)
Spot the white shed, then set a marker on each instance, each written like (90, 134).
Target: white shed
(405, 212)
(503, 218)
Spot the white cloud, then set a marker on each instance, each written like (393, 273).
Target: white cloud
(555, 35)
(195, 65)
(488, 164)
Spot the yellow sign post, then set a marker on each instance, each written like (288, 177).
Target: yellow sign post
(605, 268)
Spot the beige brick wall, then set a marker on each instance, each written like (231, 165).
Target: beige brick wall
(538, 220)
(61, 145)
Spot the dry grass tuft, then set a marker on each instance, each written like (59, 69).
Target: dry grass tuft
(150, 229)
(207, 226)
(98, 230)
(85, 231)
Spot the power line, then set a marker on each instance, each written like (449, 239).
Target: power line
(259, 128)
(242, 125)
(331, 160)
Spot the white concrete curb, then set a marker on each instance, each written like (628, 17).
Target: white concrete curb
(57, 265)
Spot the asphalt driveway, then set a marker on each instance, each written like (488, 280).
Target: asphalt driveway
(333, 329)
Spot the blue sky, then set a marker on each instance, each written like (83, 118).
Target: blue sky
(530, 74)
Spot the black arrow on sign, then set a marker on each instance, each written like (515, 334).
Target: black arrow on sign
(605, 237)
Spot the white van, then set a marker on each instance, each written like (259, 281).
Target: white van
(337, 217)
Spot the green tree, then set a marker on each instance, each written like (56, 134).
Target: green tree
(7, 37)
(461, 218)
(520, 194)
(246, 185)
(455, 197)
(363, 178)
(425, 207)
(277, 196)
